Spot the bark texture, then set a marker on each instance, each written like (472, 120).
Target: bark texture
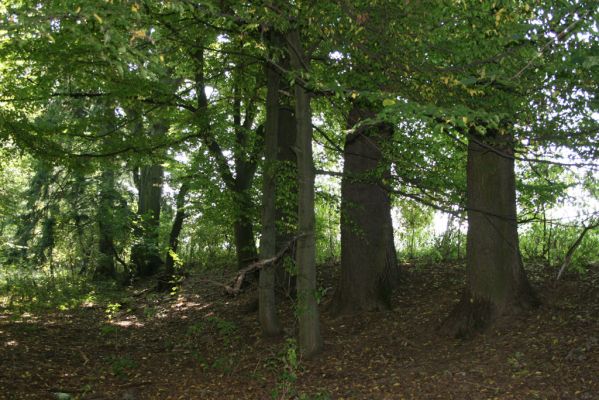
(105, 267)
(496, 284)
(245, 243)
(286, 203)
(310, 340)
(368, 258)
(145, 255)
(267, 311)
(173, 239)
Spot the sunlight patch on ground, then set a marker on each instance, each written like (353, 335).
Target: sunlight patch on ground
(11, 343)
(128, 323)
(183, 303)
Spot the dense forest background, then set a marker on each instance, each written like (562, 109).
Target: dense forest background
(302, 162)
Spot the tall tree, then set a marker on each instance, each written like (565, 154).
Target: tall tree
(105, 267)
(148, 178)
(496, 282)
(286, 201)
(368, 259)
(310, 340)
(267, 313)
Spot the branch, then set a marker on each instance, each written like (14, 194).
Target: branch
(572, 249)
(234, 288)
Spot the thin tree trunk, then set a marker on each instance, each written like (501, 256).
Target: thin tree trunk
(572, 249)
(173, 239)
(496, 283)
(267, 312)
(368, 260)
(310, 340)
(245, 165)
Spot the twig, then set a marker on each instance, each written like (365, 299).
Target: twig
(234, 288)
(572, 249)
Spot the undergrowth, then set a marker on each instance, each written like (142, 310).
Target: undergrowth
(32, 291)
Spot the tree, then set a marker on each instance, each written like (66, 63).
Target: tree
(267, 312)
(173, 238)
(368, 259)
(105, 267)
(496, 282)
(310, 341)
(145, 255)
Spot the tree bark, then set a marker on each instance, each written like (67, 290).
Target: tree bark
(267, 312)
(286, 203)
(148, 179)
(496, 283)
(245, 243)
(105, 267)
(145, 255)
(310, 340)
(173, 239)
(368, 258)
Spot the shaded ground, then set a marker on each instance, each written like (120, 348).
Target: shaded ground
(201, 345)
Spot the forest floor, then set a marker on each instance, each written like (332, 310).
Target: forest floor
(200, 344)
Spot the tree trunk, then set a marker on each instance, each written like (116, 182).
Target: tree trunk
(368, 259)
(173, 239)
(267, 311)
(496, 283)
(286, 203)
(245, 244)
(105, 267)
(145, 254)
(310, 340)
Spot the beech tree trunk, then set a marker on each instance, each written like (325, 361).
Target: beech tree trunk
(286, 203)
(145, 255)
(245, 244)
(368, 258)
(105, 267)
(310, 340)
(267, 311)
(496, 284)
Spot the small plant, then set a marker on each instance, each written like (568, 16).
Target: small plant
(223, 364)
(150, 312)
(120, 366)
(290, 366)
(226, 329)
(195, 329)
(112, 309)
(199, 358)
(107, 330)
